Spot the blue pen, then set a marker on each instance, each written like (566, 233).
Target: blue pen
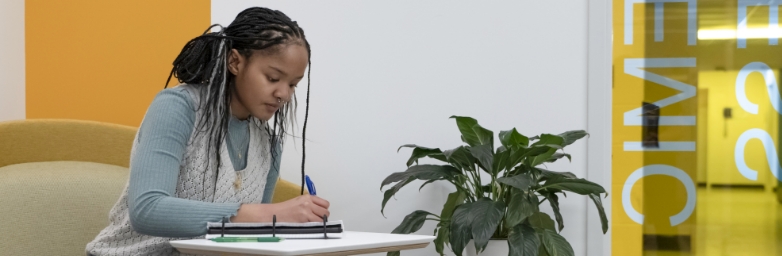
(310, 185)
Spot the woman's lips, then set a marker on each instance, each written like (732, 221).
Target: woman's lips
(271, 107)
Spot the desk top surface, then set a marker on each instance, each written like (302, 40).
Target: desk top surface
(352, 240)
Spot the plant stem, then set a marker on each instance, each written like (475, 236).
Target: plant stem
(478, 175)
(494, 195)
(470, 188)
(475, 185)
(501, 191)
(461, 180)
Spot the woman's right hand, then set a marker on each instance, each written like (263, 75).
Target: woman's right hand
(305, 208)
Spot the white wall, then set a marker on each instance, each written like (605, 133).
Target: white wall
(599, 119)
(387, 73)
(12, 64)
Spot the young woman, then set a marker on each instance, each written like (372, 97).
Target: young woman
(206, 149)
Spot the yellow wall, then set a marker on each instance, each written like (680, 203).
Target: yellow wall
(104, 60)
(702, 143)
(656, 197)
(623, 228)
(721, 134)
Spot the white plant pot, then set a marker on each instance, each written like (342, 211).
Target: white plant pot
(494, 248)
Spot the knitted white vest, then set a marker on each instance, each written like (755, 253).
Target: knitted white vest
(119, 238)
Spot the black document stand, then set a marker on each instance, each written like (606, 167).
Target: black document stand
(274, 226)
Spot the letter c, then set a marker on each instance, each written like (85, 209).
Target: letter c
(659, 169)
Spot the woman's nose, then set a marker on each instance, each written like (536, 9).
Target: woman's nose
(284, 93)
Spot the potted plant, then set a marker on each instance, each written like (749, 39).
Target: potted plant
(506, 206)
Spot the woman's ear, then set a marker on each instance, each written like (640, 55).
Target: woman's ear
(235, 62)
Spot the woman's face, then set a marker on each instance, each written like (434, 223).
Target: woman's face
(263, 78)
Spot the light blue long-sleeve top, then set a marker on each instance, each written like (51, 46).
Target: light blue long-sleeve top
(162, 142)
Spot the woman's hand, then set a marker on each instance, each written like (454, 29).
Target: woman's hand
(305, 208)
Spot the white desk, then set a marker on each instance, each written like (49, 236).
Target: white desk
(353, 243)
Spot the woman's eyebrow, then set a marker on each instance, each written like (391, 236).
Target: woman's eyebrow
(279, 70)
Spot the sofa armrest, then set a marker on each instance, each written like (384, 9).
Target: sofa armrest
(285, 190)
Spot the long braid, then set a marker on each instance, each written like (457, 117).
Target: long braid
(306, 116)
(203, 62)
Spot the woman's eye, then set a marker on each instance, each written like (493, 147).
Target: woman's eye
(273, 80)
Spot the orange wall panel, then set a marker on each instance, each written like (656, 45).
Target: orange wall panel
(104, 60)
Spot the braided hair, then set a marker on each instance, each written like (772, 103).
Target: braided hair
(203, 63)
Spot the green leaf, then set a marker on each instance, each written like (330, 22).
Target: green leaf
(555, 244)
(553, 200)
(539, 159)
(461, 228)
(391, 191)
(394, 253)
(485, 136)
(542, 249)
(423, 172)
(516, 156)
(536, 150)
(412, 222)
(478, 221)
(572, 136)
(500, 160)
(420, 152)
(483, 153)
(513, 138)
(454, 199)
(550, 139)
(460, 157)
(578, 186)
(541, 220)
(465, 125)
(552, 174)
(539, 153)
(427, 182)
(557, 156)
(521, 206)
(490, 214)
(519, 154)
(521, 181)
(599, 204)
(442, 236)
(523, 241)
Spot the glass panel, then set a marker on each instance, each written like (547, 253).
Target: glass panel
(696, 110)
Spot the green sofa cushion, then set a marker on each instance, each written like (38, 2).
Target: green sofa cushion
(56, 208)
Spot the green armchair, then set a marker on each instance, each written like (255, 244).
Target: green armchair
(60, 178)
